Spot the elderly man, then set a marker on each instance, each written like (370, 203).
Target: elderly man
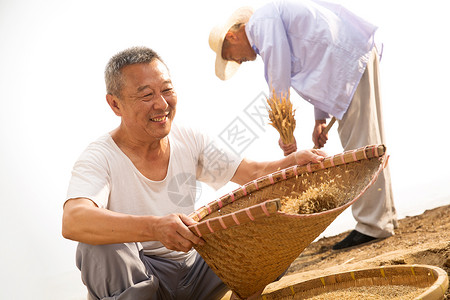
(134, 242)
(328, 56)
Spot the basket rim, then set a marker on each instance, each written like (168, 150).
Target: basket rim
(265, 208)
(435, 290)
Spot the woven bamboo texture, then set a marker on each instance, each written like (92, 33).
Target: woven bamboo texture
(250, 242)
(433, 279)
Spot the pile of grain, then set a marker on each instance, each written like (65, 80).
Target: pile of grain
(282, 116)
(317, 198)
(391, 292)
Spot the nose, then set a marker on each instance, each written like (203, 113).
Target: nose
(161, 103)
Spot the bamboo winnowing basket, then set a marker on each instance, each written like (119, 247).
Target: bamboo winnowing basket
(250, 242)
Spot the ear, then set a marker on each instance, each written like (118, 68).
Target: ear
(231, 37)
(114, 103)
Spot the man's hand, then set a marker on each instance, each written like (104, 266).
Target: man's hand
(304, 157)
(83, 221)
(288, 148)
(173, 233)
(318, 136)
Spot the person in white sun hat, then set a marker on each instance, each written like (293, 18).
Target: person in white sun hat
(328, 56)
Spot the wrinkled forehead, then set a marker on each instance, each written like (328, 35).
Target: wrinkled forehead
(153, 75)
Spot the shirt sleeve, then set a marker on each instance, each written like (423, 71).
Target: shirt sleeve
(217, 165)
(90, 179)
(269, 37)
(320, 114)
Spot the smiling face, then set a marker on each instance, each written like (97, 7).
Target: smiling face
(147, 102)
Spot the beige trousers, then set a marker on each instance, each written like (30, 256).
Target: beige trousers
(362, 125)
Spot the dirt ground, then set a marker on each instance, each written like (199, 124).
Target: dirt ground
(421, 239)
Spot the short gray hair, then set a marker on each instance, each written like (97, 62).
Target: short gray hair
(130, 56)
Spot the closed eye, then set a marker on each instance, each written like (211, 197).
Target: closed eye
(168, 91)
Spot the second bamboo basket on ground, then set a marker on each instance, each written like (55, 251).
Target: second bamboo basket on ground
(419, 282)
(251, 239)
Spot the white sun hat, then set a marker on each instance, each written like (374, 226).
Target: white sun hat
(225, 69)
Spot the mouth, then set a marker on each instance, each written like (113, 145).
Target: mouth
(159, 118)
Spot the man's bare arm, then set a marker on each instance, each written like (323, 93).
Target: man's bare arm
(249, 170)
(83, 221)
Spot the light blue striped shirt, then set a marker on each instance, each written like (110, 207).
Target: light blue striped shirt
(319, 49)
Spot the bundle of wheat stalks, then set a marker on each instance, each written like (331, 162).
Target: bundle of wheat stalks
(281, 117)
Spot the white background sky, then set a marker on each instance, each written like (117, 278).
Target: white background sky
(52, 57)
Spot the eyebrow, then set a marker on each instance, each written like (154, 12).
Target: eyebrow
(141, 88)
